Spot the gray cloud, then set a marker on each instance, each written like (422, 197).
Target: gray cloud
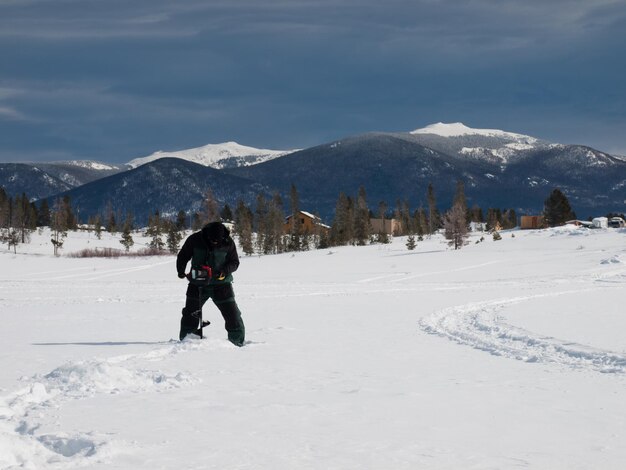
(116, 79)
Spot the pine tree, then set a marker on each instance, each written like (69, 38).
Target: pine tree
(433, 213)
(127, 238)
(382, 236)
(361, 219)
(557, 209)
(227, 213)
(243, 227)
(43, 214)
(111, 223)
(181, 220)
(211, 211)
(261, 223)
(275, 239)
(295, 227)
(155, 231)
(5, 215)
(410, 242)
(421, 224)
(97, 226)
(59, 224)
(455, 220)
(174, 237)
(455, 226)
(342, 227)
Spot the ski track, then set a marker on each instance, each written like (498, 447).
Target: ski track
(23, 412)
(480, 326)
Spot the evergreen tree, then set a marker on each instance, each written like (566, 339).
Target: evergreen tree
(455, 220)
(181, 221)
(455, 226)
(274, 238)
(410, 242)
(111, 222)
(362, 227)
(127, 238)
(382, 236)
(557, 209)
(227, 213)
(243, 227)
(261, 223)
(211, 211)
(24, 220)
(342, 227)
(295, 227)
(59, 224)
(43, 214)
(196, 223)
(97, 226)
(433, 213)
(421, 223)
(5, 215)
(174, 237)
(155, 231)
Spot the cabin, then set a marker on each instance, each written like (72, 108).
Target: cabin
(531, 222)
(309, 224)
(388, 226)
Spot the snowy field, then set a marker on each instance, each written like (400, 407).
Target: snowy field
(504, 355)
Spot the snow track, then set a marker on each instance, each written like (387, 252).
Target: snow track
(23, 412)
(480, 326)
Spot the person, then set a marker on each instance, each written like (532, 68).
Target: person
(214, 258)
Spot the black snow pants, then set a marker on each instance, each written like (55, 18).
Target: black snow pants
(223, 297)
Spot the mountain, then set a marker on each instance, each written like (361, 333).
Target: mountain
(41, 180)
(224, 155)
(167, 185)
(18, 178)
(500, 169)
(78, 172)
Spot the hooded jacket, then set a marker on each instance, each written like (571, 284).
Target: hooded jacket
(212, 246)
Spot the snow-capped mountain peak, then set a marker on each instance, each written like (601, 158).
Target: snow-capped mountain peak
(458, 129)
(224, 155)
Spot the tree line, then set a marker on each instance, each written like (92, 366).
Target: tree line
(261, 227)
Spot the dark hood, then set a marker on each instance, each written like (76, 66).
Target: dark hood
(215, 232)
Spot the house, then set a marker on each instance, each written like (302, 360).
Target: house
(531, 221)
(309, 224)
(388, 226)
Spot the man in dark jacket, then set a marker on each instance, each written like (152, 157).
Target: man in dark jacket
(213, 258)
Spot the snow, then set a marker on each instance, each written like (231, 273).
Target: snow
(93, 165)
(213, 155)
(501, 355)
(458, 129)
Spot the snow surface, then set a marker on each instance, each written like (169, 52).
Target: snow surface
(507, 354)
(212, 155)
(458, 129)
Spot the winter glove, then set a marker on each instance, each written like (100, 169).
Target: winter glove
(182, 275)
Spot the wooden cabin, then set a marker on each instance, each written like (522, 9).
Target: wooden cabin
(532, 222)
(309, 223)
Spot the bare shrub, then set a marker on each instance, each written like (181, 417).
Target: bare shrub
(115, 253)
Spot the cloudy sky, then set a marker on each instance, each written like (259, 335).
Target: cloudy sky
(115, 79)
